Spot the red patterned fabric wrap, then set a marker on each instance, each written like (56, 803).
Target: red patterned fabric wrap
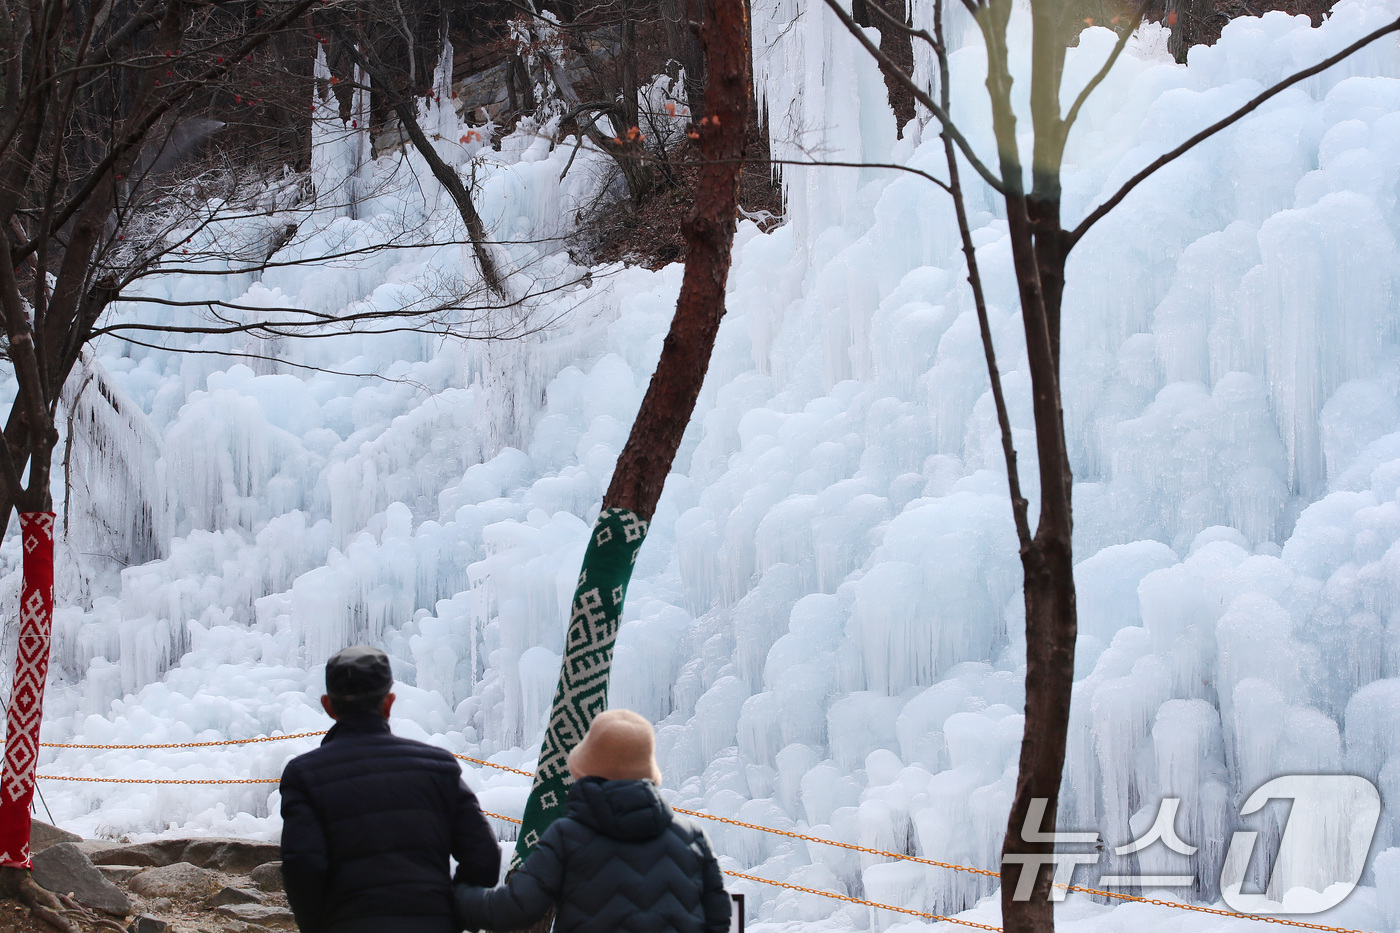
(27, 696)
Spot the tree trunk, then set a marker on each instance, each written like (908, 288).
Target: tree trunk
(26, 708)
(1038, 249)
(665, 411)
(899, 47)
(1048, 566)
(674, 27)
(692, 58)
(627, 69)
(1192, 22)
(1050, 633)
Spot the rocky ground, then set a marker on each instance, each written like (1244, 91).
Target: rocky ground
(168, 886)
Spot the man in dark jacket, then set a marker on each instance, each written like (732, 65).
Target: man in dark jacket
(369, 819)
(619, 860)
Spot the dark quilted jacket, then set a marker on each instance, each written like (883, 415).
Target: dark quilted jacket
(618, 861)
(368, 822)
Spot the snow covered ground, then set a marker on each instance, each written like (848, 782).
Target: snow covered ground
(824, 622)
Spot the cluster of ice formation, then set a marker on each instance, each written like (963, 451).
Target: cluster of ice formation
(825, 620)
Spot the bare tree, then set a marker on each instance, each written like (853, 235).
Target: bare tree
(97, 99)
(1040, 247)
(109, 108)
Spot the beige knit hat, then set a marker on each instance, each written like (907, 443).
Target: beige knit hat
(619, 746)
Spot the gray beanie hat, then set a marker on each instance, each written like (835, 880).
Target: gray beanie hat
(358, 673)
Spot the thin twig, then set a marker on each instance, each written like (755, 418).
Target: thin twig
(135, 133)
(888, 66)
(1019, 505)
(1167, 158)
(874, 7)
(238, 354)
(1097, 79)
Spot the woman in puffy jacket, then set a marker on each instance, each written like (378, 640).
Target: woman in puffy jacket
(619, 860)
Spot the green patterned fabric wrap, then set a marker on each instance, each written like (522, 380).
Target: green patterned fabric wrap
(583, 679)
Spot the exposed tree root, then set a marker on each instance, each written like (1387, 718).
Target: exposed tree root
(17, 883)
(57, 910)
(88, 916)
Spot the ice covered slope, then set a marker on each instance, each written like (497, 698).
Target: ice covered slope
(824, 621)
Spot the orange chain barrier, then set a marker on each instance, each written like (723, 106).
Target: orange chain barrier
(492, 764)
(798, 887)
(1117, 895)
(840, 845)
(266, 738)
(100, 780)
(856, 900)
(949, 865)
(1213, 910)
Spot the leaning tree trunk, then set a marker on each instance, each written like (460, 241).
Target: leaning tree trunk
(491, 274)
(665, 411)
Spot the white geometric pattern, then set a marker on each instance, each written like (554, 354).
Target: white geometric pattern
(588, 649)
(27, 696)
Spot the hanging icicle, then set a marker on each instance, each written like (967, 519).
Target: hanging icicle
(112, 513)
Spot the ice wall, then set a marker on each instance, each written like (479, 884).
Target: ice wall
(825, 621)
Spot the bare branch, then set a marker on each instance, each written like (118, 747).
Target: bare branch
(1019, 505)
(288, 328)
(247, 355)
(883, 14)
(1168, 157)
(888, 66)
(1097, 79)
(444, 173)
(135, 133)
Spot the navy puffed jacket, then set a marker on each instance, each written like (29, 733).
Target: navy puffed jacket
(368, 822)
(618, 861)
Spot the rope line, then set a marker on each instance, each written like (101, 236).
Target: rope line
(1119, 895)
(106, 780)
(1213, 910)
(492, 764)
(856, 900)
(839, 845)
(818, 891)
(266, 738)
(1115, 895)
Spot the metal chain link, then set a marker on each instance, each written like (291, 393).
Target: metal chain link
(856, 900)
(492, 764)
(839, 845)
(103, 780)
(266, 738)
